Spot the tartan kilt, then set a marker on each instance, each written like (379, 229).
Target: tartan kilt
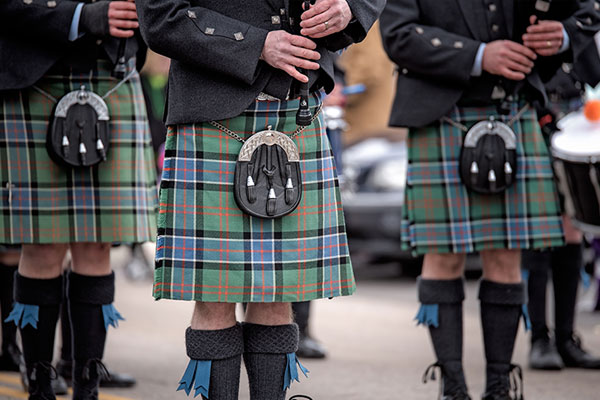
(208, 250)
(441, 216)
(43, 202)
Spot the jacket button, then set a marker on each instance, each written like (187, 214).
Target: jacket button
(191, 14)
(458, 45)
(495, 28)
(98, 42)
(436, 42)
(404, 71)
(238, 36)
(27, 1)
(419, 30)
(51, 4)
(275, 19)
(209, 31)
(492, 7)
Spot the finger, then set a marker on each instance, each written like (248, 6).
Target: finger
(532, 19)
(293, 72)
(545, 45)
(318, 8)
(122, 14)
(302, 63)
(318, 19)
(123, 23)
(516, 67)
(300, 41)
(545, 26)
(120, 33)
(330, 31)
(515, 76)
(521, 59)
(305, 53)
(539, 36)
(122, 5)
(519, 48)
(547, 52)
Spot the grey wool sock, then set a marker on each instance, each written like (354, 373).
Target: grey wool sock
(224, 348)
(265, 350)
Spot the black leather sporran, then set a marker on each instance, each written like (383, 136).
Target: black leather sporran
(488, 159)
(268, 179)
(78, 134)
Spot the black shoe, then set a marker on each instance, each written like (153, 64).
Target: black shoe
(452, 382)
(115, 379)
(505, 382)
(543, 355)
(10, 358)
(87, 379)
(574, 356)
(39, 381)
(310, 348)
(59, 386)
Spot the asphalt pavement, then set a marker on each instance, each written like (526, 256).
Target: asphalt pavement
(375, 349)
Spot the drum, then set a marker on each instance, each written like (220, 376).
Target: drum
(576, 149)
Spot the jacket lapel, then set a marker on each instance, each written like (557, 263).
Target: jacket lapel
(474, 15)
(509, 17)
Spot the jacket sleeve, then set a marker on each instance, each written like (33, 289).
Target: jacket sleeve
(582, 26)
(365, 13)
(201, 37)
(45, 20)
(423, 50)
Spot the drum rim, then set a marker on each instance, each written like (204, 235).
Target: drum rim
(581, 159)
(585, 227)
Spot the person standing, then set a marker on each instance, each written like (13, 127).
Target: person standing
(77, 171)
(232, 85)
(563, 349)
(479, 174)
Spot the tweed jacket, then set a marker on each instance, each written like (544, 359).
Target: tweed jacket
(434, 44)
(34, 37)
(215, 48)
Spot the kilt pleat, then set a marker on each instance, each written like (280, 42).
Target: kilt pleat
(42, 202)
(442, 216)
(208, 250)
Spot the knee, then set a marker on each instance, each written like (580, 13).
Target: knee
(503, 266)
(443, 266)
(269, 313)
(211, 316)
(91, 258)
(42, 261)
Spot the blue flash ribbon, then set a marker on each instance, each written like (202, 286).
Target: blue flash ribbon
(26, 313)
(526, 319)
(291, 370)
(428, 315)
(196, 377)
(111, 316)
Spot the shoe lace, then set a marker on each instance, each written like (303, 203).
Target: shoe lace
(43, 366)
(101, 369)
(430, 375)
(516, 388)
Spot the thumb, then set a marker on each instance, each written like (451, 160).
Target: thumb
(532, 20)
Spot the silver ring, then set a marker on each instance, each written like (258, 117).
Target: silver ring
(549, 43)
(326, 25)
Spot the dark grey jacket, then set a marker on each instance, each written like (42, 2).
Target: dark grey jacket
(434, 43)
(215, 46)
(34, 37)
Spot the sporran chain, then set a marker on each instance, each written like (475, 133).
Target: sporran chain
(237, 137)
(463, 128)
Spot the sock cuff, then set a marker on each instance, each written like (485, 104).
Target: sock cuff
(214, 344)
(509, 294)
(434, 291)
(39, 292)
(91, 289)
(278, 339)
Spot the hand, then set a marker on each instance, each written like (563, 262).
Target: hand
(336, 97)
(545, 37)
(325, 17)
(122, 18)
(508, 59)
(286, 51)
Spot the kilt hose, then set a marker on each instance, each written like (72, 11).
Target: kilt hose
(209, 250)
(442, 216)
(42, 202)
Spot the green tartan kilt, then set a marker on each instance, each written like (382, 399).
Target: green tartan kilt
(441, 216)
(208, 250)
(42, 202)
